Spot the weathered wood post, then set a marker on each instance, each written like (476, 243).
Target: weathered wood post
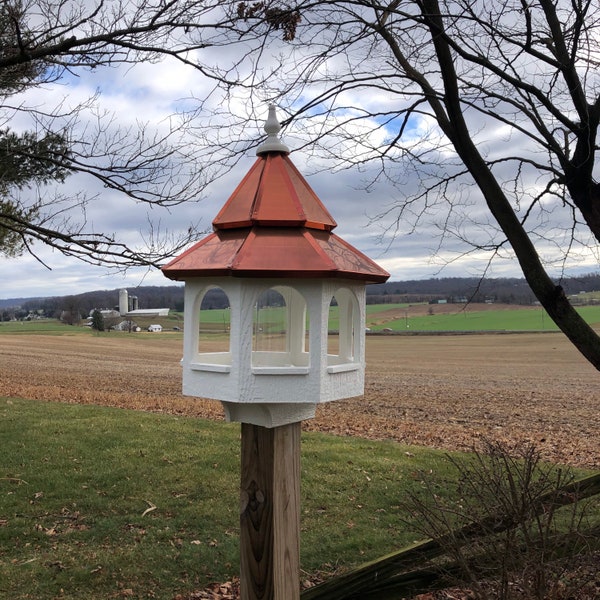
(273, 247)
(270, 512)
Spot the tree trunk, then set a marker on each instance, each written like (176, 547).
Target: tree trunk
(551, 296)
(587, 200)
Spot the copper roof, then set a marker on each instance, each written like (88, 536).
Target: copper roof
(274, 194)
(274, 225)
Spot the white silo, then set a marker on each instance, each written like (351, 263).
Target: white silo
(123, 302)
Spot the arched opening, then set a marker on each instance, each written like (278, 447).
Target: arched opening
(270, 326)
(343, 325)
(212, 313)
(280, 329)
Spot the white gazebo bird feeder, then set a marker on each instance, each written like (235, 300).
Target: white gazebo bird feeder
(273, 254)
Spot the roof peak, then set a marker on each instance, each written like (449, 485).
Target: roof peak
(272, 128)
(274, 194)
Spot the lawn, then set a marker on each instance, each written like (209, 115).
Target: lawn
(98, 502)
(103, 503)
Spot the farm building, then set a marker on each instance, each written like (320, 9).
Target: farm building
(128, 306)
(127, 326)
(155, 328)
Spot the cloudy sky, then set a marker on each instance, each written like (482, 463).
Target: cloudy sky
(151, 92)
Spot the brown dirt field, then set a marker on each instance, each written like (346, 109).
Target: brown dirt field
(444, 392)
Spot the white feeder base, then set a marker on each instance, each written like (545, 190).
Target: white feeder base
(268, 415)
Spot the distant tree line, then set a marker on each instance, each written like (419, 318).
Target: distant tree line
(82, 304)
(451, 289)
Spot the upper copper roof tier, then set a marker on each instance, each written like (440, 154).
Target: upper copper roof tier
(274, 194)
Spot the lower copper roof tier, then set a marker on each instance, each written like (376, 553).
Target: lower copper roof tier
(274, 252)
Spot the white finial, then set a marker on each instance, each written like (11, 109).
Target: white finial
(272, 128)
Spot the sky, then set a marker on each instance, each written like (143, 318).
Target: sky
(152, 92)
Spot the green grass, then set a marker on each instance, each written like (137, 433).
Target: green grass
(376, 308)
(218, 316)
(42, 326)
(523, 319)
(103, 503)
(56, 327)
(95, 500)
(526, 319)
(75, 484)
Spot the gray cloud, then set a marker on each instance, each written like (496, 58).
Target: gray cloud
(150, 93)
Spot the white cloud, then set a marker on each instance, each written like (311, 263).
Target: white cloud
(150, 92)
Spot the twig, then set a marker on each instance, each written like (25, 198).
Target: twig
(150, 508)
(14, 480)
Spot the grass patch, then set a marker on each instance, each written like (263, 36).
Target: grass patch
(42, 326)
(526, 319)
(103, 503)
(57, 328)
(99, 503)
(95, 501)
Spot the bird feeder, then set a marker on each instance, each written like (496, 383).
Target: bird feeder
(272, 243)
(294, 338)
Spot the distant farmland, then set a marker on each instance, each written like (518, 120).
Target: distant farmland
(444, 391)
(400, 318)
(394, 318)
(472, 317)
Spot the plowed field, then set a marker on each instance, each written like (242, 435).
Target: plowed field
(439, 391)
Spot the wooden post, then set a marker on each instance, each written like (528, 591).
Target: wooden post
(270, 513)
